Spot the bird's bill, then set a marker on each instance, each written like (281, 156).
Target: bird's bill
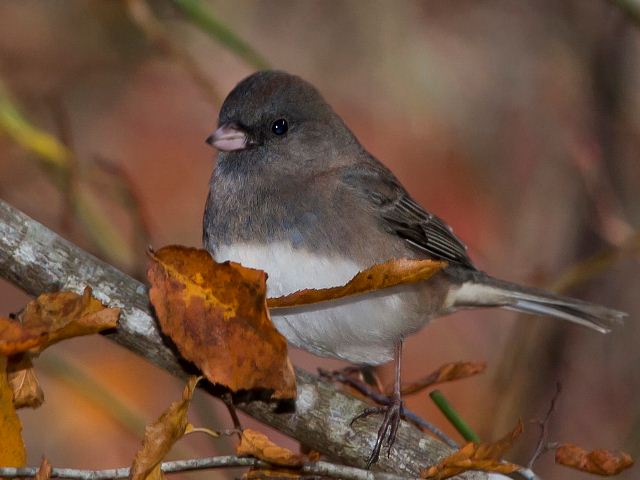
(228, 138)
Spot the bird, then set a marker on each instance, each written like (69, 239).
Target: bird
(294, 193)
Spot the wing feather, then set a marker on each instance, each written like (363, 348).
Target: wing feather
(403, 216)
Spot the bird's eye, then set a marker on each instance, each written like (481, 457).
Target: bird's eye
(280, 127)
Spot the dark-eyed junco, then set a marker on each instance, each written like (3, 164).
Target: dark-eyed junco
(295, 194)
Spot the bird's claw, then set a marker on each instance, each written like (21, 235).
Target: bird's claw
(366, 413)
(388, 429)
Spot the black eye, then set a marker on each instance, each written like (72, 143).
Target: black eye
(280, 127)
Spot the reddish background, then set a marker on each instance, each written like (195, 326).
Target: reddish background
(517, 122)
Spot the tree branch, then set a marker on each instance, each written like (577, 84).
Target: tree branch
(38, 260)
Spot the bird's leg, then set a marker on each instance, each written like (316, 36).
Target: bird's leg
(392, 413)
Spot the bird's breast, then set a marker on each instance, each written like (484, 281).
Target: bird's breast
(360, 329)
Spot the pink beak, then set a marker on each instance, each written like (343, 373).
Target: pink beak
(228, 138)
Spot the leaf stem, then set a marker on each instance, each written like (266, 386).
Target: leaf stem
(454, 417)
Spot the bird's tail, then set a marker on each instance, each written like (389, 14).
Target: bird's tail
(490, 292)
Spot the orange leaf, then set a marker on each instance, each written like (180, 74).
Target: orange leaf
(24, 383)
(53, 317)
(44, 472)
(383, 275)
(476, 456)
(496, 450)
(600, 462)
(446, 373)
(160, 436)
(258, 445)
(217, 316)
(12, 451)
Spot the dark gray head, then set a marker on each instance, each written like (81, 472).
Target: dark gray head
(274, 117)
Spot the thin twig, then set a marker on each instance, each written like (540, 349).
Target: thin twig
(228, 401)
(325, 469)
(541, 447)
(382, 399)
(446, 373)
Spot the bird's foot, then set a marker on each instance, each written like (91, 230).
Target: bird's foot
(389, 428)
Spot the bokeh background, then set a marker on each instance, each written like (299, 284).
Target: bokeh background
(518, 122)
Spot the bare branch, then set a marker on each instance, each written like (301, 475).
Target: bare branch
(38, 260)
(324, 469)
(541, 447)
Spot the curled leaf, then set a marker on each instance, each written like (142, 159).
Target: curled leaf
(160, 436)
(24, 383)
(476, 456)
(258, 445)
(600, 462)
(53, 317)
(446, 373)
(383, 275)
(217, 316)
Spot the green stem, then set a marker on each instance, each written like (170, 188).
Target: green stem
(454, 417)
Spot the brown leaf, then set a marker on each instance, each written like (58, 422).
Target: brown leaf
(53, 317)
(383, 275)
(600, 462)
(217, 316)
(14, 338)
(446, 373)
(496, 450)
(44, 472)
(476, 456)
(12, 451)
(258, 445)
(160, 436)
(24, 383)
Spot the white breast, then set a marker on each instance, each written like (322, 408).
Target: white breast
(360, 329)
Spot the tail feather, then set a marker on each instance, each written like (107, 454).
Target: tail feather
(490, 292)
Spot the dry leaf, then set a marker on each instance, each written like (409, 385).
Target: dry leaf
(476, 456)
(14, 338)
(600, 462)
(497, 450)
(12, 451)
(24, 383)
(258, 445)
(44, 472)
(446, 373)
(53, 317)
(160, 436)
(217, 316)
(383, 275)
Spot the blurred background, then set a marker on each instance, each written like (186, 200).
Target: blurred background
(518, 122)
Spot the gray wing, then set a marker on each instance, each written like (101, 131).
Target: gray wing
(401, 215)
